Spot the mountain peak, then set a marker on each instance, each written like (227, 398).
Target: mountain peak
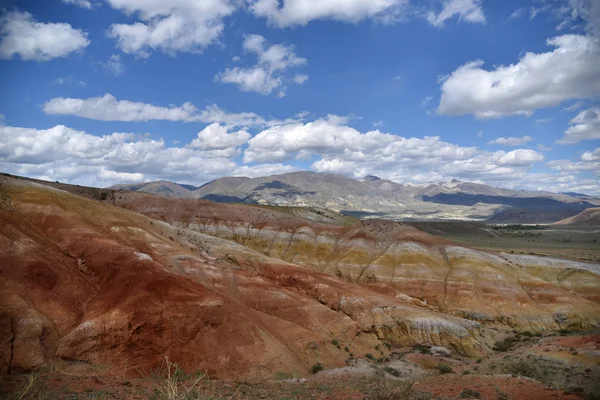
(371, 178)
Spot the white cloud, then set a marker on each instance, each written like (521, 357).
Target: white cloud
(426, 100)
(585, 126)
(570, 13)
(108, 108)
(75, 156)
(300, 78)
(511, 141)
(271, 70)
(217, 137)
(543, 147)
(68, 80)
(262, 170)
(589, 161)
(574, 107)
(79, 3)
(469, 10)
(518, 13)
(301, 12)
(170, 26)
(541, 80)
(22, 35)
(114, 65)
(543, 120)
(64, 154)
(480, 134)
(335, 147)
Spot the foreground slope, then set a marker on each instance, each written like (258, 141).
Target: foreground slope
(87, 281)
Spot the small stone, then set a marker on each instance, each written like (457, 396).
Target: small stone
(440, 351)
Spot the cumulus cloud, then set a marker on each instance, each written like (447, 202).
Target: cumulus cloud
(301, 12)
(585, 126)
(22, 35)
(270, 73)
(335, 147)
(70, 155)
(170, 26)
(469, 10)
(589, 161)
(538, 80)
(511, 141)
(217, 137)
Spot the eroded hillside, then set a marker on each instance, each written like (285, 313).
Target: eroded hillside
(240, 291)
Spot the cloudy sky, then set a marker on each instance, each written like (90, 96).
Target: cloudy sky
(99, 92)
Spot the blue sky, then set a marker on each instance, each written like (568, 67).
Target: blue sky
(101, 92)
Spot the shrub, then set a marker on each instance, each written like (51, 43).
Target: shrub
(335, 342)
(369, 356)
(318, 367)
(501, 395)
(466, 372)
(444, 368)
(469, 394)
(422, 349)
(479, 360)
(505, 345)
(523, 368)
(347, 349)
(392, 371)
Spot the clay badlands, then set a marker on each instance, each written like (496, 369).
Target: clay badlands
(107, 291)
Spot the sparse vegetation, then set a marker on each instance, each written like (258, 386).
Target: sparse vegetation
(505, 345)
(469, 394)
(392, 371)
(422, 349)
(175, 386)
(444, 368)
(501, 395)
(318, 367)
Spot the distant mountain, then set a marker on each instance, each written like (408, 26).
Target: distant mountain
(589, 217)
(162, 188)
(376, 197)
(575, 194)
(223, 190)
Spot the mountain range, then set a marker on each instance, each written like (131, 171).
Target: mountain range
(372, 196)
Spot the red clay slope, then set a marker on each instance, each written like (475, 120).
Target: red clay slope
(87, 281)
